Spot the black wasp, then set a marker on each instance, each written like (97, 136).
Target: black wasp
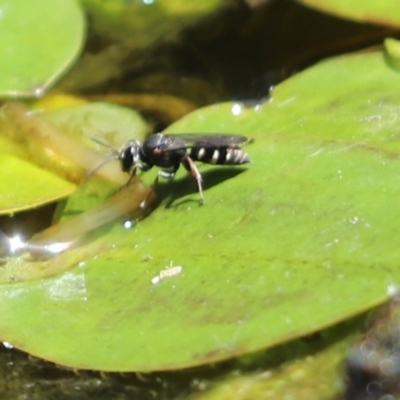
(170, 151)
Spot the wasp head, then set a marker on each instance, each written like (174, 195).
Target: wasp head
(129, 155)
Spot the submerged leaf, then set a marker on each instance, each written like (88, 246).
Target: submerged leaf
(65, 149)
(292, 370)
(106, 121)
(48, 144)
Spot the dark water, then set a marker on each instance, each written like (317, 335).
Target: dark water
(237, 53)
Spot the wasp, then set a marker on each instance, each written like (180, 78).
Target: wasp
(169, 152)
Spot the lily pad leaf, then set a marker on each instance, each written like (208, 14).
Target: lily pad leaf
(300, 239)
(31, 186)
(392, 53)
(39, 42)
(383, 12)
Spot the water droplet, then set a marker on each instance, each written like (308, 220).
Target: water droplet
(16, 244)
(392, 290)
(129, 224)
(237, 109)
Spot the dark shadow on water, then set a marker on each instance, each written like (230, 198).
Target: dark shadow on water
(169, 192)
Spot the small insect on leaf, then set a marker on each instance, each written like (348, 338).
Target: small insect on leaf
(168, 272)
(168, 152)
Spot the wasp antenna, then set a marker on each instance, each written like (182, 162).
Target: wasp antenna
(98, 141)
(101, 165)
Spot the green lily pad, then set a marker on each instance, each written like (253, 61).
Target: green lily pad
(300, 239)
(39, 42)
(383, 12)
(31, 186)
(392, 53)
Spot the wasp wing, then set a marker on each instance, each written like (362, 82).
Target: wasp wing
(220, 149)
(165, 150)
(206, 141)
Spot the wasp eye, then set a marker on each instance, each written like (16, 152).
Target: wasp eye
(127, 160)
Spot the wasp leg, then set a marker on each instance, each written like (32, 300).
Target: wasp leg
(143, 166)
(132, 173)
(133, 170)
(165, 174)
(189, 164)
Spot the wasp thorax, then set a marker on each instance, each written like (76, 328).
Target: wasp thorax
(129, 155)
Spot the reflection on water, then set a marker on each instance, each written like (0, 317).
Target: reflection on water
(16, 245)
